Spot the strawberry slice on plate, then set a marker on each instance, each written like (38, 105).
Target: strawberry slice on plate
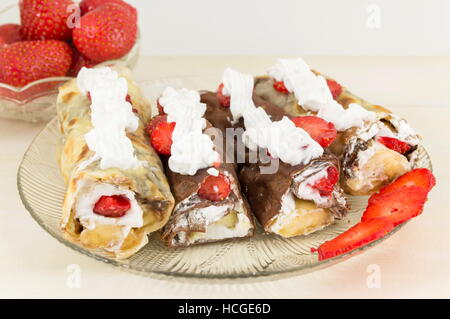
(421, 177)
(321, 131)
(335, 88)
(397, 206)
(224, 100)
(359, 235)
(9, 33)
(215, 188)
(112, 206)
(280, 87)
(394, 144)
(325, 185)
(160, 133)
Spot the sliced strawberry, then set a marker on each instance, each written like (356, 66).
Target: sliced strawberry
(224, 100)
(160, 132)
(215, 188)
(280, 87)
(90, 5)
(45, 20)
(359, 235)
(326, 185)
(421, 177)
(397, 206)
(394, 144)
(106, 33)
(160, 108)
(9, 33)
(112, 206)
(321, 131)
(335, 88)
(28, 61)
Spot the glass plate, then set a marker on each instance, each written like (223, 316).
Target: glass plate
(264, 256)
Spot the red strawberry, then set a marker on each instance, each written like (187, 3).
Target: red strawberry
(335, 88)
(359, 235)
(326, 185)
(160, 132)
(79, 61)
(397, 206)
(224, 100)
(321, 131)
(90, 5)
(28, 61)
(394, 144)
(112, 206)
(215, 188)
(280, 87)
(9, 33)
(45, 20)
(421, 177)
(106, 33)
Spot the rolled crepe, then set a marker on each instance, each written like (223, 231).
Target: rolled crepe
(282, 201)
(146, 187)
(196, 220)
(367, 165)
(285, 204)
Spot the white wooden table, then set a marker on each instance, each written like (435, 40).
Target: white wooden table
(415, 262)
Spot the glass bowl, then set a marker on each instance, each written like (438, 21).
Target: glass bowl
(35, 102)
(259, 258)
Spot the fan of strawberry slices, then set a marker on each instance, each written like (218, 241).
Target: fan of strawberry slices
(59, 37)
(393, 205)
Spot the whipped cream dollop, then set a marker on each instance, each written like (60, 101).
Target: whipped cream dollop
(282, 138)
(313, 94)
(191, 149)
(111, 117)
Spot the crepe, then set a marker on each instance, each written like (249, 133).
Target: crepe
(196, 220)
(283, 207)
(145, 186)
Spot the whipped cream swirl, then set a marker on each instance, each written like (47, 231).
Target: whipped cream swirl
(111, 117)
(313, 94)
(281, 138)
(191, 149)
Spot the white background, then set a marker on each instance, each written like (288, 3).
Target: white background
(293, 27)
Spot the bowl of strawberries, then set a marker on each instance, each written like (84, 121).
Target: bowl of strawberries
(52, 42)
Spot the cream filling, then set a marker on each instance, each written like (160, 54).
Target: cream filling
(305, 191)
(88, 197)
(299, 217)
(218, 225)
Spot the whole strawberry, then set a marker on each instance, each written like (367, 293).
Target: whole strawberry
(28, 61)
(9, 33)
(90, 5)
(106, 33)
(45, 19)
